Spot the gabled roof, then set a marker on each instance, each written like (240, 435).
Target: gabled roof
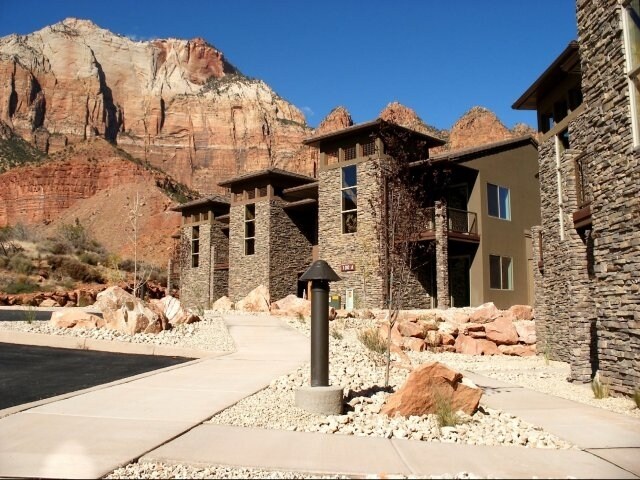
(470, 153)
(432, 140)
(568, 62)
(270, 173)
(209, 201)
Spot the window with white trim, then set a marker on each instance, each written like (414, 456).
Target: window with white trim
(349, 190)
(631, 27)
(500, 272)
(499, 201)
(250, 229)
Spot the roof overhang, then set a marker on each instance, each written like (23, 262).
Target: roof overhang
(213, 201)
(432, 141)
(467, 154)
(269, 174)
(567, 63)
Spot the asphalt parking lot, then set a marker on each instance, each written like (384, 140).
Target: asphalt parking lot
(29, 373)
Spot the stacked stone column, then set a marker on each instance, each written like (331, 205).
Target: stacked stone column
(442, 254)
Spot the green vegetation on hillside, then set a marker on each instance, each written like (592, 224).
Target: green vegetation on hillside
(15, 152)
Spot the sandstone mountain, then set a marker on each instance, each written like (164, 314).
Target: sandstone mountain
(85, 114)
(177, 104)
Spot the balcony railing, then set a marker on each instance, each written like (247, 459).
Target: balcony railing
(584, 193)
(460, 221)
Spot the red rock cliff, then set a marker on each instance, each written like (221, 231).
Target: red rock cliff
(177, 104)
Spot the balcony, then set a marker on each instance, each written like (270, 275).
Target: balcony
(462, 225)
(584, 194)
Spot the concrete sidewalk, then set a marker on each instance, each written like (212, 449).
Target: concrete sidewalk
(158, 417)
(89, 435)
(609, 445)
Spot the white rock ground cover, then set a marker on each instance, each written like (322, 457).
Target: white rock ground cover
(209, 334)
(361, 373)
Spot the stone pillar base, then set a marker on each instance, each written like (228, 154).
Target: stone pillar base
(321, 400)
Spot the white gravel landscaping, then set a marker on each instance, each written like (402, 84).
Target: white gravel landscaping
(361, 373)
(209, 334)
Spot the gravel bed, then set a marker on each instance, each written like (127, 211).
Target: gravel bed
(161, 470)
(209, 334)
(533, 373)
(361, 373)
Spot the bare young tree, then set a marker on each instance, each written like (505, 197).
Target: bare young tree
(408, 183)
(134, 212)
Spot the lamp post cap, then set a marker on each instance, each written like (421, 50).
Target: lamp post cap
(320, 270)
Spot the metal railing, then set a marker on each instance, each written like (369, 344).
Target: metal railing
(460, 221)
(584, 193)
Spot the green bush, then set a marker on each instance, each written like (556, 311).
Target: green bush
(127, 265)
(4, 261)
(92, 258)
(20, 264)
(70, 267)
(21, 285)
(78, 238)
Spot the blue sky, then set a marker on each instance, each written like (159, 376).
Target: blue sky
(438, 57)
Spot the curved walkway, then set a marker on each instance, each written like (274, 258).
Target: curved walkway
(153, 418)
(91, 434)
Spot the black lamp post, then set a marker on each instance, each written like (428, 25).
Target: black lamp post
(320, 397)
(320, 274)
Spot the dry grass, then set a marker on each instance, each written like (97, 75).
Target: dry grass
(599, 387)
(445, 414)
(636, 397)
(371, 339)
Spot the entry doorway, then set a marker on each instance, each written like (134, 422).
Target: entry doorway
(459, 285)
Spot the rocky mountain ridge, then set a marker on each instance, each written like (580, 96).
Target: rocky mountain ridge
(177, 104)
(85, 112)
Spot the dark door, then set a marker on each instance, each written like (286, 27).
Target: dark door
(459, 285)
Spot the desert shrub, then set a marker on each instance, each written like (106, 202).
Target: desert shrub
(636, 397)
(78, 238)
(599, 387)
(92, 258)
(21, 285)
(445, 414)
(4, 261)
(371, 339)
(70, 267)
(127, 265)
(337, 334)
(20, 264)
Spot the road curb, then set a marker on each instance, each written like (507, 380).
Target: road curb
(92, 344)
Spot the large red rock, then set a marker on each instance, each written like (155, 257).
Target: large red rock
(522, 312)
(291, 306)
(124, 312)
(453, 315)
(518, 350)
(72, 317)
(412, 343)
(258, 300)
(171, 308)
(526, 331)
(471, 346)
(411, 329)
(419, 393)
(502, 331)
(484, 313)
(223, 304)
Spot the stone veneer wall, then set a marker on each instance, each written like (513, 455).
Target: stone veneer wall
(290, 252)
(564, 305)
(361, 248)
(614, 166)
(246, 272)
(201, 286)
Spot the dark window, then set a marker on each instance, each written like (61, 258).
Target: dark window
(560, 110)
(349, 199)
(546, 122)
(195, 246)
(349, 153)
(575, 98)
(499, 202)
(369, 148)
(250, 229)
(500, 272)
(564, 140)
